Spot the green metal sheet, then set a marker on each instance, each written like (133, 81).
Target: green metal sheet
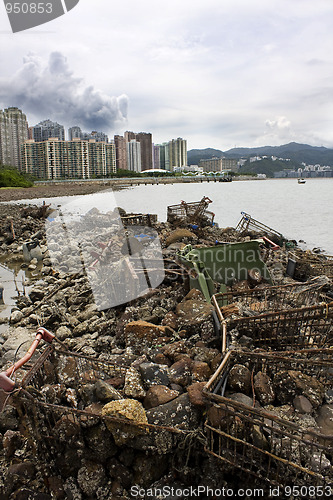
(225, 264)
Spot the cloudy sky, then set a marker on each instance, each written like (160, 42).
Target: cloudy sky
(220, 73)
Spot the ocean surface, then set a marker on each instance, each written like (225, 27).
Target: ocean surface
(298, 211)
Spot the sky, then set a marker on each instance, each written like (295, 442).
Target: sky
(219, 73)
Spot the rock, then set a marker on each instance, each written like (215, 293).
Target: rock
(159, 395)
(216, 416)
(320, 463)
(148, 469)
(21, 471)
(161, 359)
(258, 438)
(154, 374)
(197, 398)
(200, 371)
(12, 441)
(173, 350)
(170, 319)
(130, 410)
(63, 333)
(325, 419)
(239, 379)
(67, 429)
(177, 413)
(84, 327)
(8, 419)
(118, 471)
(180, 372)
(263, 387)
(138, 331)
(133, 387)
(56, 487)
(179, 234)
(195, 294)
(191, 313)
(302, 404)
(291, 383)
(88, 313)
(16, 316)
(37, 293)
(90, 477)
(329, 396)
(246, 342)
(241, 398)
(67, 371)
(106, 392)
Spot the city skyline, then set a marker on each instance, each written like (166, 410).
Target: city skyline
(222, 74)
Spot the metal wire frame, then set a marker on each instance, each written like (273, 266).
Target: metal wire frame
(192, 212)
(248, 223)
(275, 321)
(56, 428)
(139, 219)
(282, 454)
(324, 266)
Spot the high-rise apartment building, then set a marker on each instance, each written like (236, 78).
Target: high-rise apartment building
(173, 154)
(134, 155)
(76, 133)
(164, 155)
(13, 133)
(178, 153)
(156, 156)
(54, 159)
(121, 152)
(45, 130)
(146, 146)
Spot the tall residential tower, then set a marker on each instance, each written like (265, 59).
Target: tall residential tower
(13, 133)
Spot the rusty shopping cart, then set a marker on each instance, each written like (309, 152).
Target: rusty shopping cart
(296, 316)
(275, 444)
(248, 223)
(191, 213)
(57, 405)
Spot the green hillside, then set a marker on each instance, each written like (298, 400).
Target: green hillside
(11, 177)
(268, 166)
(299, 153)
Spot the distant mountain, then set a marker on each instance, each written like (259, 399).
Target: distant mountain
(268, 166)
(195, 155)
(297, 152)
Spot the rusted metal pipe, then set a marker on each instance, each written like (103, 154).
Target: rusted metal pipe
(6, 383)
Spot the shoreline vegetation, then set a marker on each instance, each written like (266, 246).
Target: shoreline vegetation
(11, 177)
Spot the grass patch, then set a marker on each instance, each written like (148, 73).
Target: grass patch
(10, 177)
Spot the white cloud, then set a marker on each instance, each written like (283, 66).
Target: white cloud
(50, 89)
(213, 72)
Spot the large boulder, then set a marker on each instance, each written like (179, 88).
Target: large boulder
(142, 332)
(159, 395)
(132, 413)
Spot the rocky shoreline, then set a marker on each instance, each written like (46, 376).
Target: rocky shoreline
(167, 346)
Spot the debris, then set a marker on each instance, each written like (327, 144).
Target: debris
(150, 360)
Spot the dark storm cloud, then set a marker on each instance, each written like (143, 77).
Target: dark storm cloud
(50, 90)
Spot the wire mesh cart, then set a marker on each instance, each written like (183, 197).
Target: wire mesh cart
(58, 409)
(191, 213)
(324, 265)
(248, 223)
(265, 442)
(296, 316)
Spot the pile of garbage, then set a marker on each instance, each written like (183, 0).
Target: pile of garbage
(136, 417)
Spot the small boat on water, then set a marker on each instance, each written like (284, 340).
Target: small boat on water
(301, 181)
